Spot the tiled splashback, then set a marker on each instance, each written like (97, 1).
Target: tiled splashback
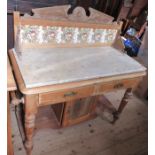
(64, 35)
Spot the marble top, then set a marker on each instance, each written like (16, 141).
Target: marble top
(42, 67)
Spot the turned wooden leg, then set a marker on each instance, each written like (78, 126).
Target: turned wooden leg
(122, 104)
(30, 115)
(106, 104)
(105, 109)
(125, 100)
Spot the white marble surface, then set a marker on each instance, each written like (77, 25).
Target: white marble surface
(40, 67)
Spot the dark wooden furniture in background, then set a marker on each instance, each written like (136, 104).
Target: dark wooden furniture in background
(138, 6)
(142, 89)
(111, 7)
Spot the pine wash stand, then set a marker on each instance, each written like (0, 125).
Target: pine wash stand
(61, 62)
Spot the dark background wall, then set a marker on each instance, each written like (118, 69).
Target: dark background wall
(107, 6)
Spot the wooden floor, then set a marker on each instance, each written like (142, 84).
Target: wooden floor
(96, 137)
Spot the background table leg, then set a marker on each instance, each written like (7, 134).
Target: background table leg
(124, 100)
(122, 104)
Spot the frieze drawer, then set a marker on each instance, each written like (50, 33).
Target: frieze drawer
(65, 95)
(116, 85)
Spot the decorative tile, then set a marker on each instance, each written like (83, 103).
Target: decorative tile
(74, 35)
(29, 34)
(50, 34)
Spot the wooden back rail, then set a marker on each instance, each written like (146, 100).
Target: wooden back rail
(43, 33)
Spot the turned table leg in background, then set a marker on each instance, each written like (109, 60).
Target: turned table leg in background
(31, 102)
(105, 104)
(123, 103)
(9, 133)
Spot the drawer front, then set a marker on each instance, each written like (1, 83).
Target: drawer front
(65, 95)
(116, 85)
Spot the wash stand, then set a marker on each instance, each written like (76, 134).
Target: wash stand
(69, 65)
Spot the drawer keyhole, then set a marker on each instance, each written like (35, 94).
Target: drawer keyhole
(70, 94)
